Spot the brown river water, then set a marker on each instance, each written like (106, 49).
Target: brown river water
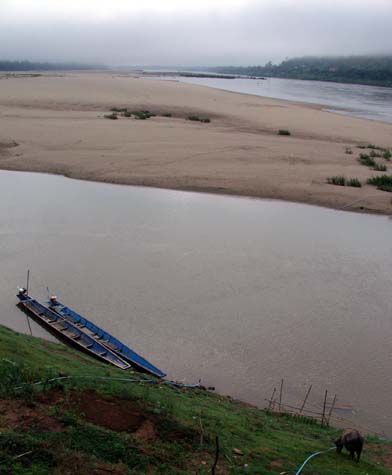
(236, 292)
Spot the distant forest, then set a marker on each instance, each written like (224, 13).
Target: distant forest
(372, 70)
(32, 66)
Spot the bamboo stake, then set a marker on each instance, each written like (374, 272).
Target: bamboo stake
(280, 395)
(325, 403)
(306, 398)
(331, 409)
(272, 398)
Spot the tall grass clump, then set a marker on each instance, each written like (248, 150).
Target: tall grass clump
(196, 118)
(374, 147)
(336, 180)
(143, 114)
(365, 159)
(387, 155)
(354, 182)
(380, 167)
(284, 132)
(382, 182)
(112, 116)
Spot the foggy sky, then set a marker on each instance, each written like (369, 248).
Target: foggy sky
(204, 32)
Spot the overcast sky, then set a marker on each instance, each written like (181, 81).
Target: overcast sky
(191, 32)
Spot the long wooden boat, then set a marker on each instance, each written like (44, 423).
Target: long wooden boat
(105, 338)
(68, 332)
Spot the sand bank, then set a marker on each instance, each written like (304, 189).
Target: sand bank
(57, 122)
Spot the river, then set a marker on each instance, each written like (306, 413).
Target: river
(237, 292)
(369, 102)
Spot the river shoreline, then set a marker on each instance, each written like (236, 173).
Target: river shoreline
(59, 126)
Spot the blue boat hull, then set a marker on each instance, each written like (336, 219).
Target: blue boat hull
(105, 338)
(67, 332)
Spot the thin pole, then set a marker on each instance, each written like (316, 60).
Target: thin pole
(331, 409)
(306, 398)
(280, 395)
(28, 281)
(27, 292)
(272, 399)
(325, 403)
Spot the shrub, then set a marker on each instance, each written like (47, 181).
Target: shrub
(366, 160)
(143, 114)
(374, 147)
(387, 155)
(112, 116)
(196, 118)
(283, 132)
(361, 146)
(374, 154)
(348, 151)
(336, 180)
(166, 114)
(380, 167)
(354, 182)
(383, 182)
(127, 114)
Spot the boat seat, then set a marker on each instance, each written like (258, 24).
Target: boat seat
(76, 337)
(103, 353)
(90, 345)
(111, 346)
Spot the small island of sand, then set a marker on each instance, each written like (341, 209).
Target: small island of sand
(55, 123)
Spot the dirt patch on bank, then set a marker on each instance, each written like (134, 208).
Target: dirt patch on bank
(16, 414)
(120, 415)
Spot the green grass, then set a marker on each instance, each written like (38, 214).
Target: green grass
(112, 116)
(387, 155)
(284, 132)
(181, 418)
(196, 118)
(143, 114)
(365, 159)
(337, 180)
(380, 167)
(354, 182)
(382, 182)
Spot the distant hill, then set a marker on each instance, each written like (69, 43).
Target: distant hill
(372, 70)
(32, 66)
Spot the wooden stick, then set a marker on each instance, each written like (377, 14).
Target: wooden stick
(272, 398)
(325, 403)
(28, 281)
(280, 395)
(306, 398)
(201, 430)
(216, 455)
(331, 409)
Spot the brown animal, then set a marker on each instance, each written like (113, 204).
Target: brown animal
(352, 440)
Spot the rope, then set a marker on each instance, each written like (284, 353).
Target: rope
(108, 378)
(298, 472)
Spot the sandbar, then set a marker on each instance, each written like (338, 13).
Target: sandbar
(55, 123)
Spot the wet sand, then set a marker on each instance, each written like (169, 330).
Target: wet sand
(57, 122)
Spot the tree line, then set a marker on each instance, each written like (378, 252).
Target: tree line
(372, 70)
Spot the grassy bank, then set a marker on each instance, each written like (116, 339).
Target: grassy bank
(90, 424)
